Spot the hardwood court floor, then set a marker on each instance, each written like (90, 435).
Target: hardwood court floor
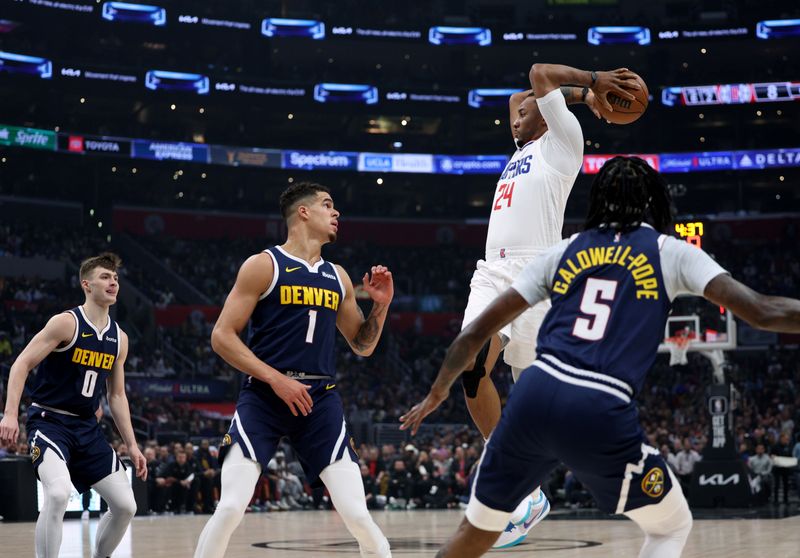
(412, 534)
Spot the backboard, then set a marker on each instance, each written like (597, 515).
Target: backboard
(709, 326)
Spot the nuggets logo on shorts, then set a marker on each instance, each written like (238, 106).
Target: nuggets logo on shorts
(653, 482)
(226, 440)
(35, 453)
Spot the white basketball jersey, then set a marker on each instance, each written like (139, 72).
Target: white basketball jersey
(531, 194)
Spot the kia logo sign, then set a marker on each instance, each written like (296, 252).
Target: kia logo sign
(718, 480)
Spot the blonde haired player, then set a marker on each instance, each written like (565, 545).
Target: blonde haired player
(526, 219)
(78, 352)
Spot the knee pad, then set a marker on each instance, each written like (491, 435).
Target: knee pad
(470, 379)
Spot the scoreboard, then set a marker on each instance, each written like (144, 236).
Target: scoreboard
(731, 94)
(692, 232)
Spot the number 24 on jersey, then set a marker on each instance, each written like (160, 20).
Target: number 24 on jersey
(504, 194)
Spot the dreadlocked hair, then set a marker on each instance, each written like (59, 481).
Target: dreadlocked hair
(626, 193)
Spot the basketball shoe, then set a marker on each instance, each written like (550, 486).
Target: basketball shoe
(516, 531)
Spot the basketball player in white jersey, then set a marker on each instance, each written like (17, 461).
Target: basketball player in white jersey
(526, 219)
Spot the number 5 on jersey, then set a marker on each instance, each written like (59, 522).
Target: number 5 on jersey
(595, 290)
(504, 193)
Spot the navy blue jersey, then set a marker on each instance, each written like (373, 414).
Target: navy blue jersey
(293, 326)
(73, 378)
(610, 305)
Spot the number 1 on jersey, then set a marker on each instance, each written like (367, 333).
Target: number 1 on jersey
(595, 290)
(504, 192)
(312, 324)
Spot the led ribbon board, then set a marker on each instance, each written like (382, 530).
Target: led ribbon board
(730, 94)
(280, 27)
(778, 28)
(619, 35)
(28, 65)
(161, 80)
(480, 98)
(345, 93)
(442, 35)
(135, 13)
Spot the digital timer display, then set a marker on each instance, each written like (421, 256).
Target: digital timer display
(692, 232)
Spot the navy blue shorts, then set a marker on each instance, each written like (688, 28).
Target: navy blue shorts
(595, 434)
(262, 419)
(78, 441)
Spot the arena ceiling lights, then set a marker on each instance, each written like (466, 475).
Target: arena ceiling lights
(28, 65)
(135, 13)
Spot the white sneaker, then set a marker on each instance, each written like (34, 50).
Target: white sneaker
(515, 533)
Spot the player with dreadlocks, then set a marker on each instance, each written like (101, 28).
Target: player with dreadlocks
(611, 288)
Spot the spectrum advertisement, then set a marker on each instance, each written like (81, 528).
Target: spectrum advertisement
(419, 163)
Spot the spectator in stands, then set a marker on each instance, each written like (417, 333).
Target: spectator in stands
(371, 489)
(460, 469)
(685, 461)
(209, 475)
(174, 480)
(400, 485)
(761, 466)
(152, 468)
(668, 456)
(781, 474)
(289, 486)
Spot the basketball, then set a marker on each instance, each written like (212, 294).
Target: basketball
(626, 111)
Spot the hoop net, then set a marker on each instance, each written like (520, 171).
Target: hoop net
(678, 347)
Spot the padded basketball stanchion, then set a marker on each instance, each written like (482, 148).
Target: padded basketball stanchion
(721, 478)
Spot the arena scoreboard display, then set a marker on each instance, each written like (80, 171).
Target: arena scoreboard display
(692, 232)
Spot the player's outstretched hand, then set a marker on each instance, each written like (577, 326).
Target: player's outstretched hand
(9, 429)
(139, 462)
(414, 417)
(619, 82)
(380, 287)
(294, 394)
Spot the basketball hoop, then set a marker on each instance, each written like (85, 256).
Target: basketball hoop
(678, 347)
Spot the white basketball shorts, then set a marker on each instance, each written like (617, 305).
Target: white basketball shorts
(493, 277)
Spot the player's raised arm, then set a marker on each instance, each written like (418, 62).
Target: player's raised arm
(58, 331)
(547, 77)
(361, 333)
(254, 277)
(773, 313)
(120, 409)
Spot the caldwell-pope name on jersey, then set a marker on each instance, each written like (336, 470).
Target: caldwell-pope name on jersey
(309, 296)
(639, 266)
(95, 359)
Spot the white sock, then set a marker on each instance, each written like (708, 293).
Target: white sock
(57, 486)
(239, 478)
(343, 480)
(116, 491)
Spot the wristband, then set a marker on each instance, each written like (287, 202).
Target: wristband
(594, 76)
(584, 92)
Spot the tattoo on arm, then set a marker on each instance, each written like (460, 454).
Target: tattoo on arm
(369, 331)
(571, 94)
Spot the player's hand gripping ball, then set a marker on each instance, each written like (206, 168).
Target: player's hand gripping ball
(626, 110)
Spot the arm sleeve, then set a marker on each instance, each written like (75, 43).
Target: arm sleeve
(536, 279)
(686, 268)
(562, 145)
